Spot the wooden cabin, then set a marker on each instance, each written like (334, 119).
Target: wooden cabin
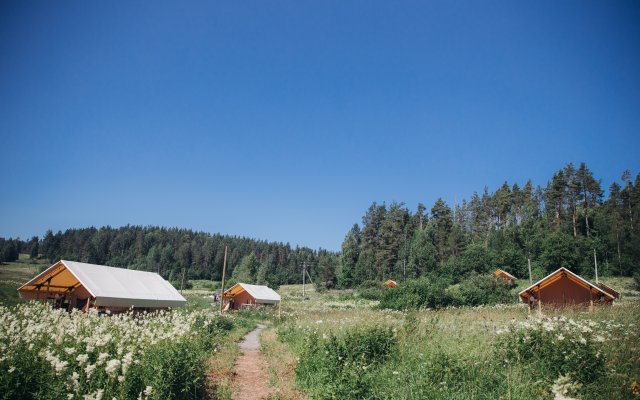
(563, 288)
(505, 275)
(609, 290)
(70, 284)
(244, 295)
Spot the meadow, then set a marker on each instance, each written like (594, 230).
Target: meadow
(345, 347)
(336, 344)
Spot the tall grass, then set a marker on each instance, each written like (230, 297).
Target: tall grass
(467, 352)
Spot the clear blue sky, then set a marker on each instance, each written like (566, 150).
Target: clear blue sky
(285, 120)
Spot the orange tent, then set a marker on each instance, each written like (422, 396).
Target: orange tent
(504, 274)
(390, 283)
(564, 288)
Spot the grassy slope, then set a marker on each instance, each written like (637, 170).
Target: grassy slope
(15, 274)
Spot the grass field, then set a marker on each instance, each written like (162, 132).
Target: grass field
(338, 344)
(497, 352)
(15, 274)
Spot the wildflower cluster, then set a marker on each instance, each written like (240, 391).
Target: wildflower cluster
(343, 365)
(50, 353)
(558, 347)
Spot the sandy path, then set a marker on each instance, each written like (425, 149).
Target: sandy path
(251, 376)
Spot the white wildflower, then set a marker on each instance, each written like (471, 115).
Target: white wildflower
(89, 370)
(102, 357)
(112, 367)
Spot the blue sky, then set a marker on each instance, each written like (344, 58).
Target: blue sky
(284, 120)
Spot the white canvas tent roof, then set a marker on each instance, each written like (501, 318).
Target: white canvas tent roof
(262, 294)
(115, 287)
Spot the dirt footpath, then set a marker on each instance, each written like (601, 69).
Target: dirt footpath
(251, 375)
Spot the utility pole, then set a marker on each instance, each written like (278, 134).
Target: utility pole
(304, 270)
(404, 266)
(224, 269)
(595, 262)
(182, 283)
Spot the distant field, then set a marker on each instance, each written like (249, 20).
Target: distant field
(13, 275)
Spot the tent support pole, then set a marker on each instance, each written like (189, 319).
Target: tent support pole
(539, 302)
(224, 269)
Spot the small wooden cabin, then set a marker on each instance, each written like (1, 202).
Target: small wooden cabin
(243, 295)
(609, 290)
(390, 283)
(564, 288)
(70, 284)
(505, 275)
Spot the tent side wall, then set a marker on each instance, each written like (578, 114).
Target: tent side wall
(565, 291)
(242, 298)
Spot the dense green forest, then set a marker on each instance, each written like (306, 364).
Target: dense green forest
(169, 252)
(562, 224)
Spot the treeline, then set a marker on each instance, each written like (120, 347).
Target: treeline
(172, 252)
(565, 224)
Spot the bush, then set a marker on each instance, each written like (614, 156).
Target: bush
(371, 284)
(343, 366)
(482, 290)
(178, 283)
(419, 293)
(370, 294)
(556, 349)
(49, 353)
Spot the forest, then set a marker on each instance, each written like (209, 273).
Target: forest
(171, 252)
(568, 222)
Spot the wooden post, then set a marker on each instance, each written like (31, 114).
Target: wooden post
(224, 269)
(595, 262)
(539, 302)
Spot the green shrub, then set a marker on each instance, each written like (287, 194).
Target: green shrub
(178, 284)
(554, 348)
(48, 354)
(371, 284)
(343, 366)
(419, 293)
(371, 293)
(482, 290)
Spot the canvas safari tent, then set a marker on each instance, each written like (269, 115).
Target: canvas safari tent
(243, 295)
(71, 284)
(564, 288)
